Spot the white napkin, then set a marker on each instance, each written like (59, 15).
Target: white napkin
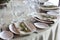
(48, 3)
(52, 2)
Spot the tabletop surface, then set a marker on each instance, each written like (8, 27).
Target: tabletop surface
(34, 36)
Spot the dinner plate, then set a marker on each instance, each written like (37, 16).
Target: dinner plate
(41, 25)
(22, 33)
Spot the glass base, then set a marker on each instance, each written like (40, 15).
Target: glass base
(2, 6)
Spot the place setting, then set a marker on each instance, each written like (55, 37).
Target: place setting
(47, 6)
(29, 27)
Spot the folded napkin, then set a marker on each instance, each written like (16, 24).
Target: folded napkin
(52, 2)
(48, 3)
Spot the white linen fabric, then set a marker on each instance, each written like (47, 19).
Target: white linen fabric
(54, 2)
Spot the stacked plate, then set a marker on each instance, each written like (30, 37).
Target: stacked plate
(49, 6)
(22, 28)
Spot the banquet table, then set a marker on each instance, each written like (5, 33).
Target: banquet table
(46, 34)
(49, 34)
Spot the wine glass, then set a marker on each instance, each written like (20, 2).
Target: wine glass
(13, 12)
(2, 22)
(17, 10)
(34, 6)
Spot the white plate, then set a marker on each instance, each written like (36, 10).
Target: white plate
(17, 29)
(6, 35)
(41, 25)
(22, 33)
(52, 8)
(13, 29)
